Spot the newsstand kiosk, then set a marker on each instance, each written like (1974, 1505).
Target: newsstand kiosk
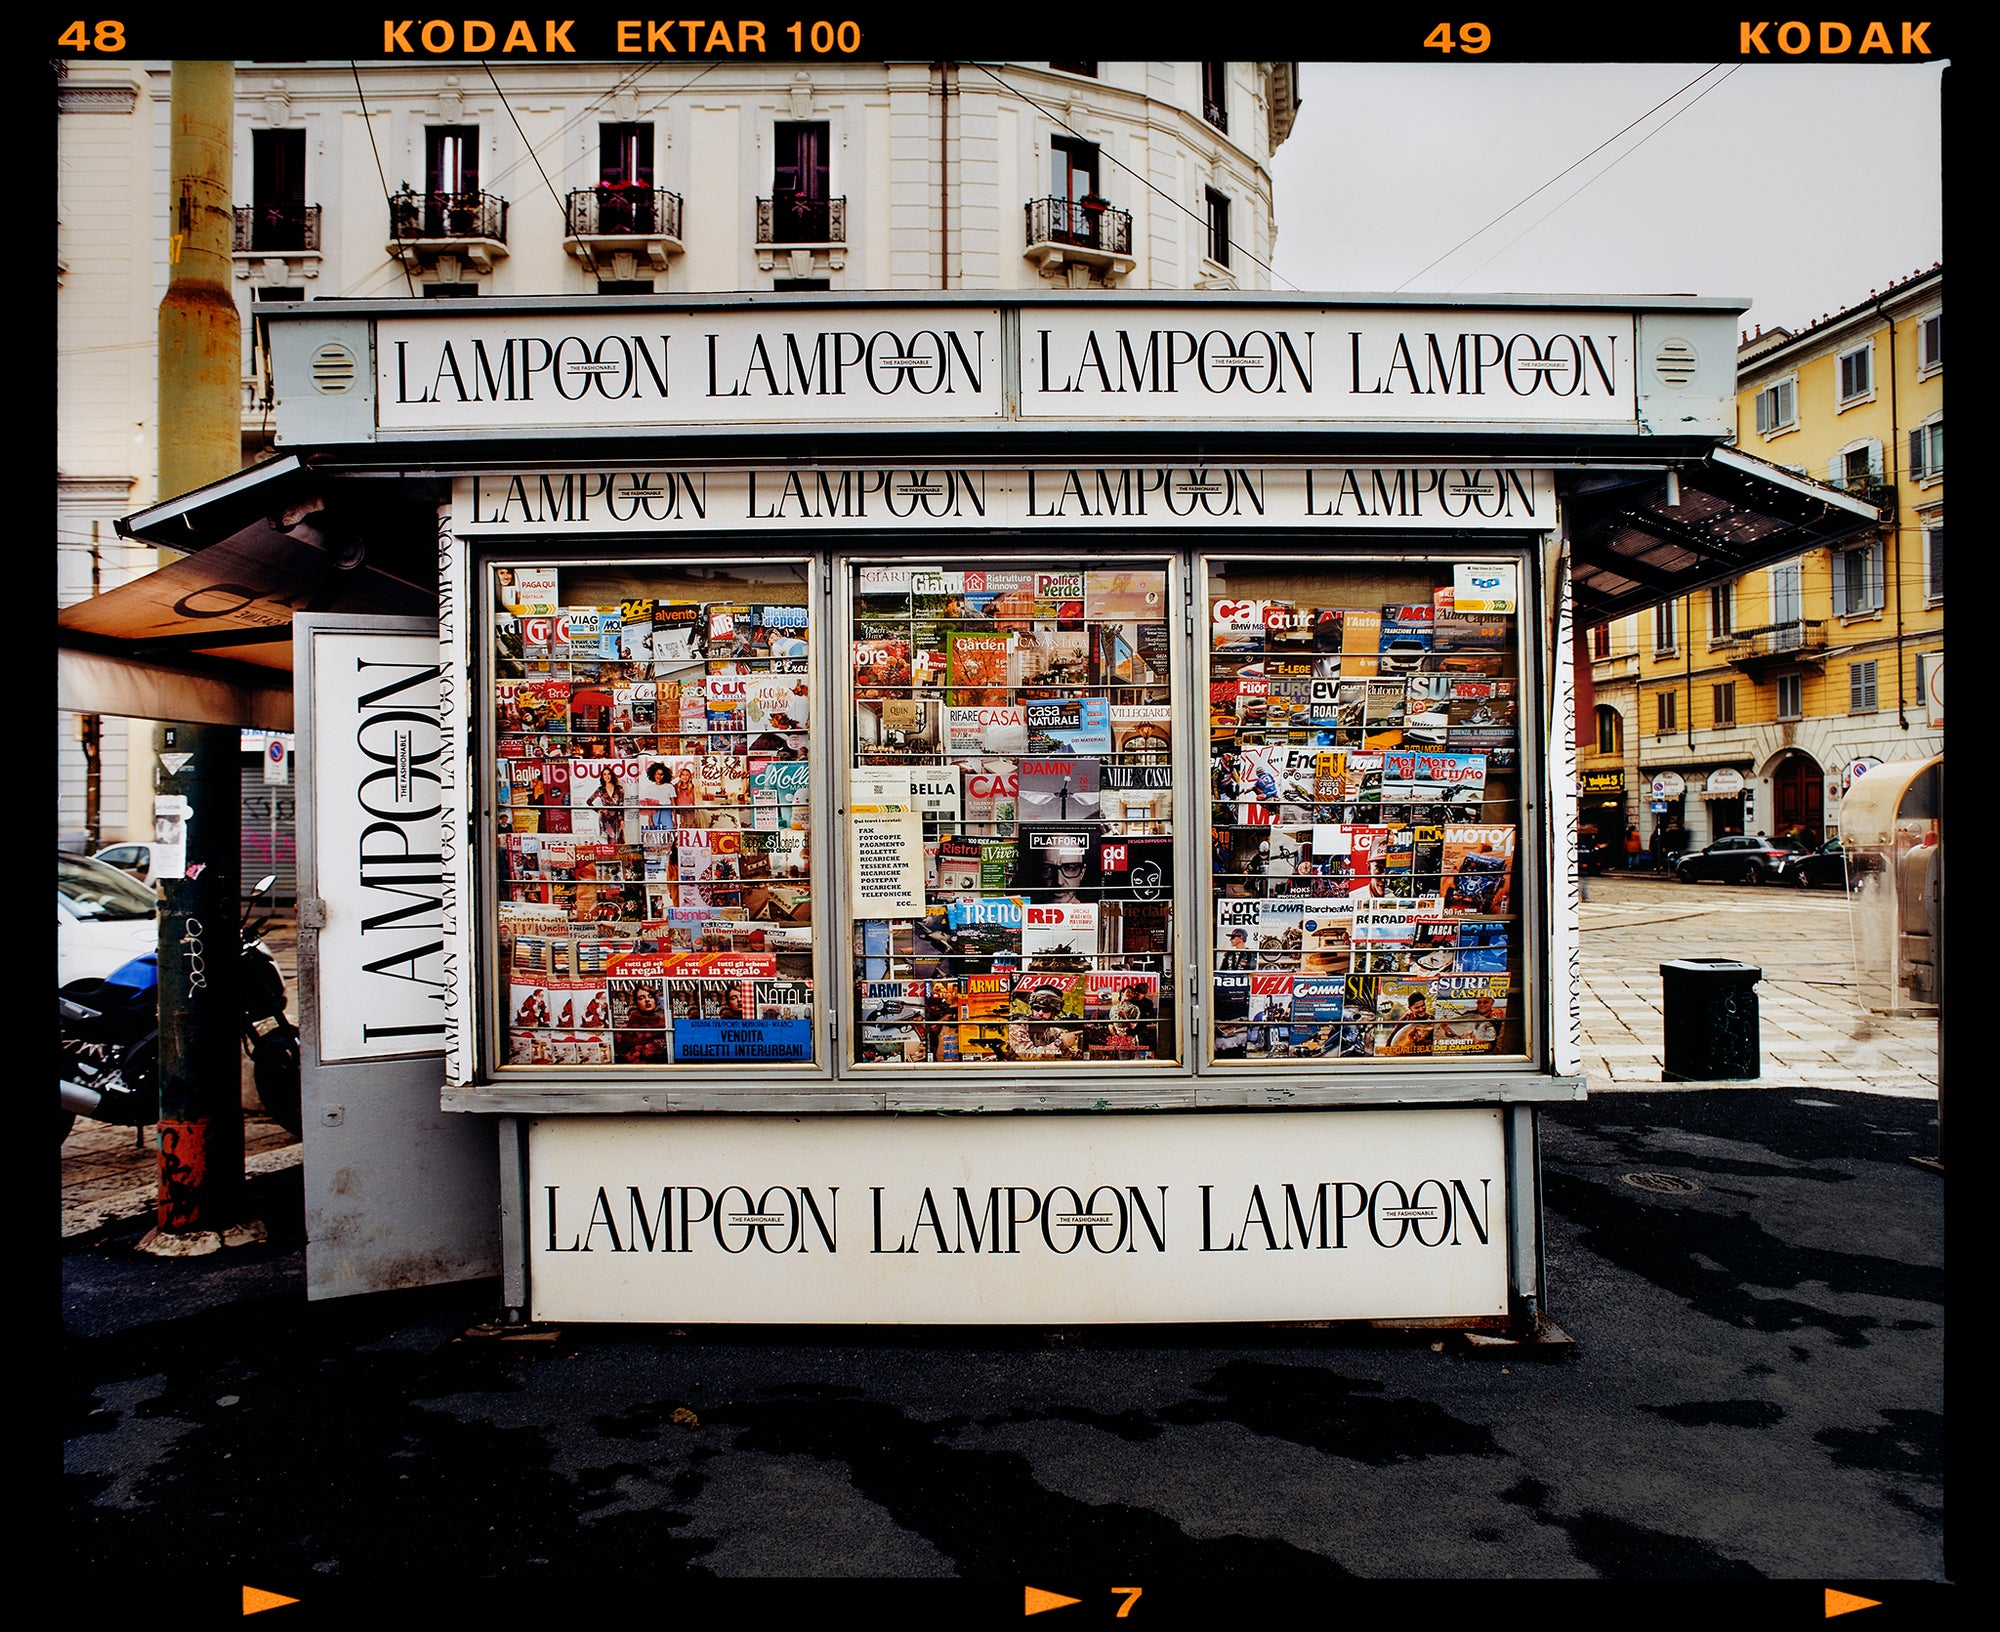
(960, 808)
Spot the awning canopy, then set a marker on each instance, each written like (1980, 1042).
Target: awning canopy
(1641, 537)
(208, 638)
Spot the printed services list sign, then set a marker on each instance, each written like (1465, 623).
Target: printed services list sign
(1288, 1215)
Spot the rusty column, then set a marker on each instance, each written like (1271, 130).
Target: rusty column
(195, 772)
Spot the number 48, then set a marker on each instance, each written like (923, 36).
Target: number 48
(1472, 39)
(106, 36)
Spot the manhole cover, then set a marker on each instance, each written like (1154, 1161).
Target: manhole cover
(1665, 1184)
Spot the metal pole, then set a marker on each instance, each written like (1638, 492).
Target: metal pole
(200, 419)
(201, 1104)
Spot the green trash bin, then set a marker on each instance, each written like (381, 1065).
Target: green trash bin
(1710, 1009)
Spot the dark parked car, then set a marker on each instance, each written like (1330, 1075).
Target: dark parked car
(1825, 866)
(1738, 860)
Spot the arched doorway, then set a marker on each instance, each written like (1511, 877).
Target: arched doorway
(1798, 797)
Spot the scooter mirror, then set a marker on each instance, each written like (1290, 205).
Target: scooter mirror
(264, 884)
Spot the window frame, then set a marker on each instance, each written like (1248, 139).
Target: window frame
(1862, 358)
(1793, 686)
(1666, 712)
(1933, 541)
(1666, 627)
(1868, 603)
(1723, 705)
(1783, 392)
(1863, 686)
(1610, 730)
(1926, 450)
(1215, 94)
(1930, 342)
(1216, 248)
(1722, 614)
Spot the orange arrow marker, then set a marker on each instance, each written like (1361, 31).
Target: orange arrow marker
(1845, 1603)
(256, 1599)
(1038, 1600)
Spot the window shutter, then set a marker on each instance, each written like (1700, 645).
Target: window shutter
(1917, 452)
(1837, 560)
(1874, 560)
(1874, 458)
(1836, 470)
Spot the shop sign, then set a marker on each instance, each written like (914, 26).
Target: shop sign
(1725, 782)
(1321, 363)
(1669, 785)
(378, 797)
(473, 372)
(929, 499)
(1603, 781)
(1280, 1216)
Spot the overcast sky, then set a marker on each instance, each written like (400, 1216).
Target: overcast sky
(1801, 186)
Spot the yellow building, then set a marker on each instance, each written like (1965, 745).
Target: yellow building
(1753, 705)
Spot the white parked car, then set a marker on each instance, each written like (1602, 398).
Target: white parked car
(104, 918)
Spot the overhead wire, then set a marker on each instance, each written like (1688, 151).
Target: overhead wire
(1545, 186)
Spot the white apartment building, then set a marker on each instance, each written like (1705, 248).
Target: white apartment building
(440, 179)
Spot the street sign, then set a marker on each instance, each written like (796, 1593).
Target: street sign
(277, 764)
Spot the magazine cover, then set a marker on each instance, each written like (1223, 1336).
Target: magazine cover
(890, 729)
(1058, 790)
(780, 791)
(1137, 866)
(1478, 865)
(882, 666)
(1136, 798)
(1059, 934)
(980, 731)
(1059, 596)
(1059, 862)
(991, 789)
(1236, 626)
(1079, 725)
(775, 702)
(1128, 654)
(977, 665)
(1124, 592)
(1051, 661)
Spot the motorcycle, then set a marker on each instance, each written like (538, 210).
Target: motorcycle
(109, 1035)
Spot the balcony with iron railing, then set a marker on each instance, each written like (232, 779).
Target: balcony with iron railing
(611, 220)
(1084, 232)
(798, 222)
(276, 229)
(426, 227)
(1779, 645)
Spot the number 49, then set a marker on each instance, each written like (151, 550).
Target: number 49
(106, 36)
(1472, 39)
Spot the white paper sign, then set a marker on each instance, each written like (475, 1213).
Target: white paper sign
(885, 864)
(1288, 1215)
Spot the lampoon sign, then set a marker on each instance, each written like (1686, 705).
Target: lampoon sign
(1281, 1216)
(779, 498)
(787, 365)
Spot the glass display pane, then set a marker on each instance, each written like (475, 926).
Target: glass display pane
(651, 785)
(1364, 828)
(1011, 813)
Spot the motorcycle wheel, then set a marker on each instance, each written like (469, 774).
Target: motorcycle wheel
(274, 1068)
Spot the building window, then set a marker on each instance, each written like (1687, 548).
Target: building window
(1721, 613)
(1725, 703)
(449, 291)
(1791, 697)
(1665, 705)
(624, 286)
(800, 183)
(781, 285)
(278, 220)
(1663, 627)
(1861, 687)
(1600, 641)
(1215, 94)
(1857, 373)
(1857, 581)
(1926, 666)
(1610, 730)
(451, 159)
(625, 201)
(1927, 448)
(1218, 228)
(1934, 562)
(1777, 407)
(1072, 169)
(1087, 69)
(1930, 343)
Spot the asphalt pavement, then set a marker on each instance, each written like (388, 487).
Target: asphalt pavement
(1751, 1408)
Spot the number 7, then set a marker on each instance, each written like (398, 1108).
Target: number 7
(1131, 1598)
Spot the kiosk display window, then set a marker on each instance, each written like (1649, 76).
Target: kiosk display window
(654, 863)
(1010, 813)
(1364, 775)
